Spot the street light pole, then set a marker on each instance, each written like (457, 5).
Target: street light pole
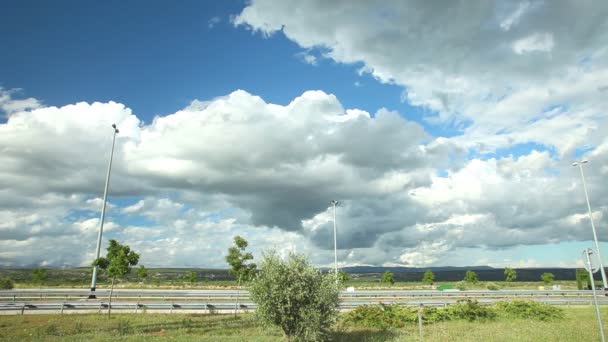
(597, 245)
(335, 203)
(103, 215)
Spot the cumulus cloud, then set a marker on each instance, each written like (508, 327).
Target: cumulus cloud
(504, 74)
(463, 60)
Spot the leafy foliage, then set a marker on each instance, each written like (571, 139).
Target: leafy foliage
(241, 262)
(547, 278)
(530, 310)
(428, 277)
(398, 316)
(470, 310)
(117, 263)
(471, 277)
(582, 279)
(387, 277)
(492, 287)
(296, 297)
(190, 276)
(6, 283)
(510, 274)
(39, 275)
(118, 260)
(142, 272)
(343, 276)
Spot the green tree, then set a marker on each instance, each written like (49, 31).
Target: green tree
(142, 273)
(117, 263)
(39, 275)
(471, 277)
(582, 279)
(190, 276)
(428, 277)
(294, 296)
(547, 277)
(343, 276)
(241, 262)
(387, 277)
(510, 274)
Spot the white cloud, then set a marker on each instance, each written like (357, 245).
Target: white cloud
(475, 71)
(542, 42)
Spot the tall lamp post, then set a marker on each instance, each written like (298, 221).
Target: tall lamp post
(335, 203)
(597, 245)
(103, 214)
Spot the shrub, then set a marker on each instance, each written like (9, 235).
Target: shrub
(470, 310)
(382, 316)
(529, 310)
(492, 287)
(296, 297)
(6, 283)
(461, 285)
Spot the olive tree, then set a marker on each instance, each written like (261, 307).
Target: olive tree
(117, 263)
(296, 297)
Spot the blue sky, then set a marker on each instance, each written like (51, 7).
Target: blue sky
(157, 57)
(447, 139)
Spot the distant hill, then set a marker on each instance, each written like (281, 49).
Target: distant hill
(399, 269)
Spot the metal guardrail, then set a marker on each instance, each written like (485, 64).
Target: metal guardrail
(138, 300)
(137, 307)
(137, 294)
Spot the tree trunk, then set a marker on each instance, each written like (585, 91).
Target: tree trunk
(111, 291)
(238, 289)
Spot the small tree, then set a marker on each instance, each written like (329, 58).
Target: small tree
(387, 277)
(428, 277)
(117, 263)
(471, 277)
(6, 283)
(190, 276)
(510, 274)
(142, 273)
(343, 276)
(39, 275)
(582, 279)
(241, 263)
(547, 277)
(294, 296)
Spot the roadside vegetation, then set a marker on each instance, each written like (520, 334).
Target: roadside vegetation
(577, 324)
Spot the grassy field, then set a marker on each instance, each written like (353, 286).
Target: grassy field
(578, 325)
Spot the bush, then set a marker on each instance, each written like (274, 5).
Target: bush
(470, 310)
(296, 297)
(397, 316)
(382, 316)
(492, 287)
(529, 310)
(6, 283)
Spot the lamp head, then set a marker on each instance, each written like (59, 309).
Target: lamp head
(115, 129)
(584, 161)
(334, 202)
(575, 164)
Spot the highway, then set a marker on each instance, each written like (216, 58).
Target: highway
(25, 301)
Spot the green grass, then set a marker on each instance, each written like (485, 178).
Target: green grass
(579, 324)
